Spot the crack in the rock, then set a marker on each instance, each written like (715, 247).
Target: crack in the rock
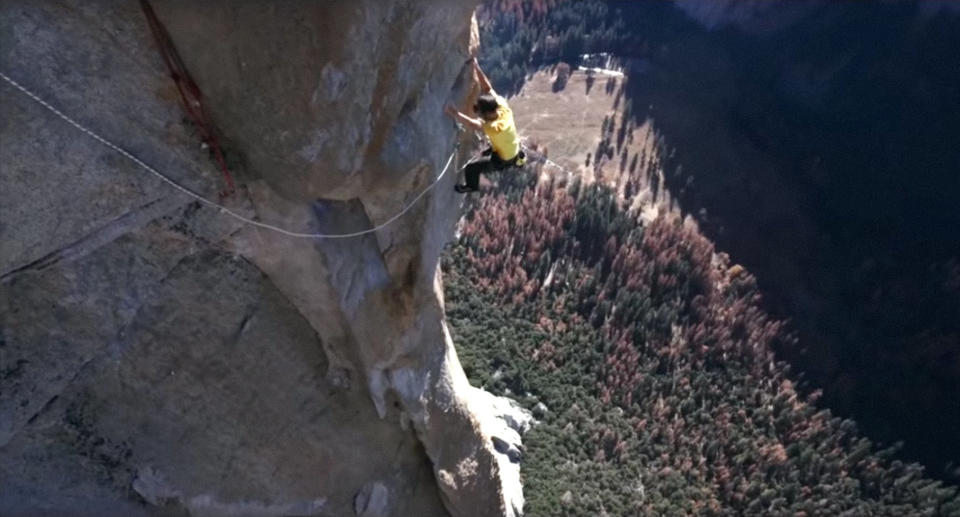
(53, 398)
(100, 237)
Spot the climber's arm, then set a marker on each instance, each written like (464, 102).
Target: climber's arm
(485, 86)
(473, 123)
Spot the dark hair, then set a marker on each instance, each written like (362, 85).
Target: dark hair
(486, 103)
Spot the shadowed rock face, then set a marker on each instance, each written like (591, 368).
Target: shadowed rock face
(158, 358)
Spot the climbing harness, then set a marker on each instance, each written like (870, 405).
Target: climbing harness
(190, 96)
(221, 208)
(517, 161)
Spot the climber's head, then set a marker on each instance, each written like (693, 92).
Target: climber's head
(486, 107)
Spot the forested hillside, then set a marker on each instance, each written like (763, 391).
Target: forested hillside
(815, 143)
(649, 364)
(518, 35)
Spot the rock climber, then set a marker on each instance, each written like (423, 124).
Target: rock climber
(496, 121)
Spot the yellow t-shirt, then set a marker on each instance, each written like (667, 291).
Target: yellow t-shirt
(502, 132)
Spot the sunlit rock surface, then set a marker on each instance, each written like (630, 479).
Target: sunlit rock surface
(159, 358)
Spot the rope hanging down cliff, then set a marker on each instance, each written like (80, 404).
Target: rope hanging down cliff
(173, 183)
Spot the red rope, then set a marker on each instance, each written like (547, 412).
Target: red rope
(190, 95)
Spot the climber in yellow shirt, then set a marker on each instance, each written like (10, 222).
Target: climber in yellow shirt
(496, 121)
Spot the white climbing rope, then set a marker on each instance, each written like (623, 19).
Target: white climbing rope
(214, 204)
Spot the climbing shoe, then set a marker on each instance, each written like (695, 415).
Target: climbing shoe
(463, 189)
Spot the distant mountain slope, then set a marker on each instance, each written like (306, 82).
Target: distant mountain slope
(816, 143)
(649, 363)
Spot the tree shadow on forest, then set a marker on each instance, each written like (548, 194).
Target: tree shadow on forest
(832, 180)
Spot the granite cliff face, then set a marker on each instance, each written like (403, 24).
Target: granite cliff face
(159, 358)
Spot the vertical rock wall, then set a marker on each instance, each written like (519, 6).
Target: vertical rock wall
(158, 358)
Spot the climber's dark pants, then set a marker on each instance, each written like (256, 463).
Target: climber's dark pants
(488, 163)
